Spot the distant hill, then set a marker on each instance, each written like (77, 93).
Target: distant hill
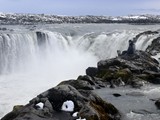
(29, 19)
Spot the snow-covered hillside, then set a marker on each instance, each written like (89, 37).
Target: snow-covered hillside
(25, 19)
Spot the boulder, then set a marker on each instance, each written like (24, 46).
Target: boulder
(157, 103)
(94, 81)
(133, 69)
(87, 78)
(15, 112)
(137, 82)
(91, 71)
(86, 103)
(124, 74)
(78, 84)
(116, 95)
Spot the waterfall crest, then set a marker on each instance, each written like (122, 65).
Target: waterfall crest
(19, 49)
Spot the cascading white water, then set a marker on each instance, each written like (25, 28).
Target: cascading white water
(32, 61)
(32, 64)
(16, 49)
(105, 45)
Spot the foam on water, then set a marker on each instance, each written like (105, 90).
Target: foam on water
(134, 116)
(134, 104)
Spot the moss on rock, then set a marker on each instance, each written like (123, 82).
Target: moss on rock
(105, 74)
(124, 74)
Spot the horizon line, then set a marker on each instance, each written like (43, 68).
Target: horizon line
(78, 15)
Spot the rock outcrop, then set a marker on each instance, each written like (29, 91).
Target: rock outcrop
(157, 103)
(88, 105)
(134, 70)
(154, 48)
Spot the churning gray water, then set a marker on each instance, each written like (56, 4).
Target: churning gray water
(134, 104)
(35, 58)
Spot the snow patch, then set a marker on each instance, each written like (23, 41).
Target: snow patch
(81, 119)
(68, 106)
(75, 114)
(40, 105)
(135, 17)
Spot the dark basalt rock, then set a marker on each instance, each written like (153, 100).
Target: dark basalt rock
(137, 82)
(154, 48)
(91, 71)
(78, 84)
(93, 81)
(87, 78)
(134, 70)
(117, 94)
(15, 112)
(157, 103)
(144, 33)
(87, 104)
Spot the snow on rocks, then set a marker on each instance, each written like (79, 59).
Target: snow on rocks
(75, 114)
(81, 118)
(24, 19)
(40, 105)
(68, 106)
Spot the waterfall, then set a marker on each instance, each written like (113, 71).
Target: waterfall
(105, 45)
(15, 50)
(32, 61)
(19, 50)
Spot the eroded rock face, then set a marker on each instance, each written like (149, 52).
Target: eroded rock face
(87, 104)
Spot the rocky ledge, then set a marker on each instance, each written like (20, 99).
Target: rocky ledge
(74, 99)
(65, 102)
(135, 70)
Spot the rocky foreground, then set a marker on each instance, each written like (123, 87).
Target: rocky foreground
(74, 99)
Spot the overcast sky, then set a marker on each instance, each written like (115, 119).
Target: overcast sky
(81, 7)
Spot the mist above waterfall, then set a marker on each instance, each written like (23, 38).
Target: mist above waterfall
(35, 58)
